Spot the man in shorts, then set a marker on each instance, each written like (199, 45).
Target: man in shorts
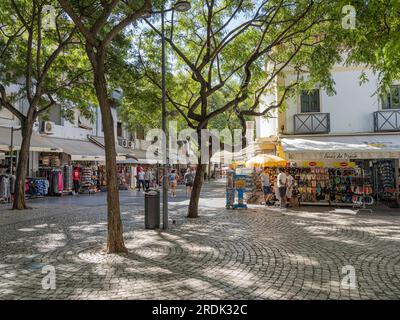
(281, 183)
(266, 187)
(189, 178)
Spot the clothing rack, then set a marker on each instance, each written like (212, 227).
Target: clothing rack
(7, 183)
(55, 178)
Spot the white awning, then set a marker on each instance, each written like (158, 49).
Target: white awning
(38, 142)
(342, 147)
(79, 149)
(121, 151)
(127, 155)
(138, 157)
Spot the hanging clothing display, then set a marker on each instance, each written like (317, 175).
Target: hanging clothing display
(55, 179)
(89, 179)
(68, 183)
(36, 187)
(86, 177)
(5, 187)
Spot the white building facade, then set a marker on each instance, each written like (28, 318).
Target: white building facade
(355, 126)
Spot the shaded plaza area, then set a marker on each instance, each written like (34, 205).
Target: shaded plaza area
(258, 253)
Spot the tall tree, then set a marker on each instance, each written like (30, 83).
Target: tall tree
(40, 51)
(100, 22)
(375, 40)
(239, 48)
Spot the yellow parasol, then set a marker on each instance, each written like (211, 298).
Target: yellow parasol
(236, 164)
(266, 160)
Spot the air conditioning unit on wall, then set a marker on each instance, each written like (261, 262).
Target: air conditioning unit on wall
(48, 127)
(125, 143)
(131, 144)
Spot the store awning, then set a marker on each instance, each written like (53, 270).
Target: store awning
(342, 147)
(79, 150)
(126, 155)
(39, 143)
(138, 157)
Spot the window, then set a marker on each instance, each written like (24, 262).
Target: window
(392, 100)
(310, 101)
(119, 129)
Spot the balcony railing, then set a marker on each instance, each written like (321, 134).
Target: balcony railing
(387, 120)
(305, 123)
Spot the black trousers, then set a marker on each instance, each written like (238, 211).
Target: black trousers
(76, 186)
(141, 184)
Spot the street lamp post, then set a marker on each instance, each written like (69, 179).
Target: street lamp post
(180, 6)
(12, 148)
(12, 151)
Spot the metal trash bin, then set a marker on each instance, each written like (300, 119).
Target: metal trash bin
(152, 209)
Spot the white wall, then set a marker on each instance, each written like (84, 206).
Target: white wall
(7, 119)
(266, 126)
(70, 131)
(351, 109)
(100, 133)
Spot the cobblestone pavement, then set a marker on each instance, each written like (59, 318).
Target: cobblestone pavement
(250, 254)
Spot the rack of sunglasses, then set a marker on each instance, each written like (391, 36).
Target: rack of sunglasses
(348, 186)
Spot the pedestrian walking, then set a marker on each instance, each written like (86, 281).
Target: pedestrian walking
(173, 182)
(281, 184)
(266, 187)
(147, 179)
(141, 179)
(289, 187)
(189, 178)
(76, 178)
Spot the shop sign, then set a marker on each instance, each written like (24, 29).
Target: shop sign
(344, 164)
(340, 155)
(313, 164)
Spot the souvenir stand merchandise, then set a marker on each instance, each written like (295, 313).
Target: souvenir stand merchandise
(230, 190)
(55, 178)
(49, 160)
(332, 186)
(312, 185)
(101, 176)
(255, 193)
(68, 183)
(349, 186)
(386, 184)
(36, 187)
(89, 179)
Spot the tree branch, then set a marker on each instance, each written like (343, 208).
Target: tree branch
(78, 22)
(6, 104)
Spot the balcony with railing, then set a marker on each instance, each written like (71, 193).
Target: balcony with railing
(387, 120)
(311, 123)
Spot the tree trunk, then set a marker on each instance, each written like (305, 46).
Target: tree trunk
(193, 211)
(115, 239)
(19, 193)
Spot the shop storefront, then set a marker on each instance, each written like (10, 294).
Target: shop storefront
(345, 170)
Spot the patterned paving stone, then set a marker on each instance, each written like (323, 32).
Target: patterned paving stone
(253, 254)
